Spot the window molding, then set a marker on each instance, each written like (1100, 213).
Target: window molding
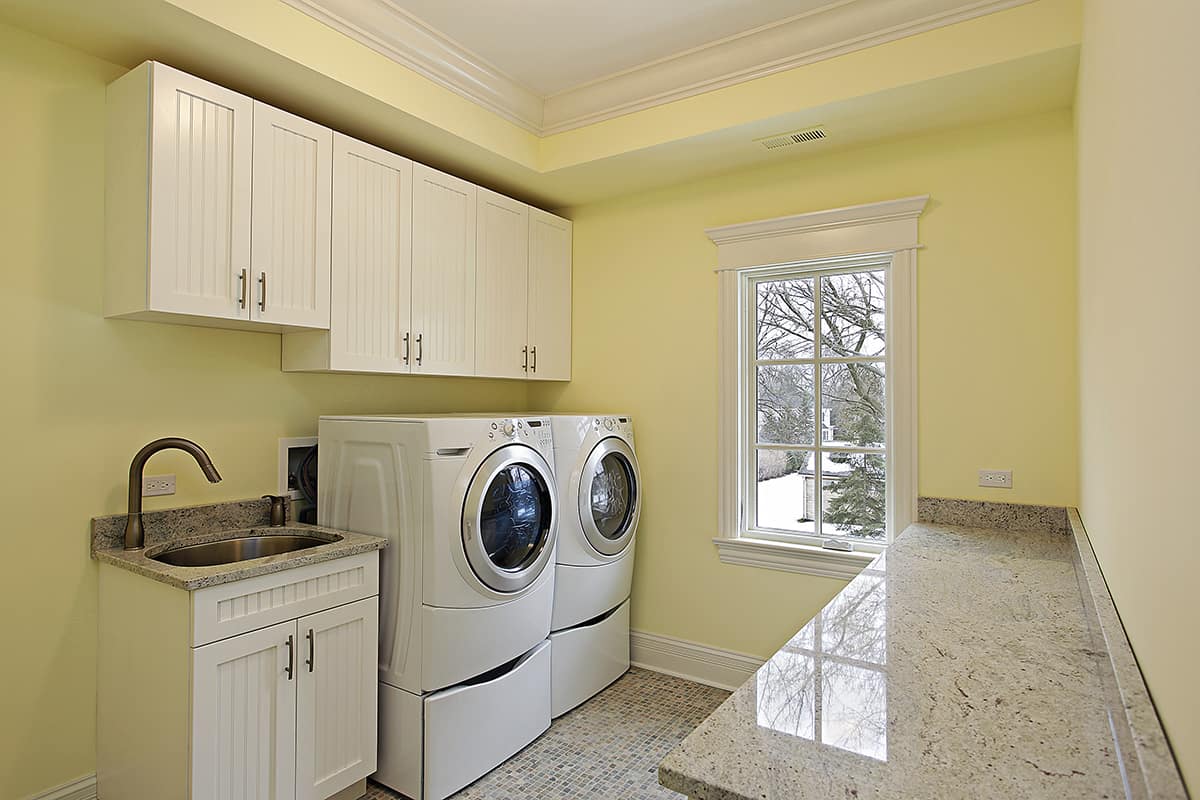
(884, 228)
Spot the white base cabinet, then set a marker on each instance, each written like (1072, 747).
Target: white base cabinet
(286, 710)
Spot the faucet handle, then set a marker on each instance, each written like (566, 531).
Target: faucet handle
(278, 509)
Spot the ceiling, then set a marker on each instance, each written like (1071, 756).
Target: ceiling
(550, 46)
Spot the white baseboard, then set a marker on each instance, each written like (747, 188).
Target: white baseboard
(79, 789)
(711, 666)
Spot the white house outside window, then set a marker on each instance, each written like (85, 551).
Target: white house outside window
(817, 401)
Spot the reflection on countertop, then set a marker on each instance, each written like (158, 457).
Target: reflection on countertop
(959, 664)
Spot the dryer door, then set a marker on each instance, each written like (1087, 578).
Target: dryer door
(510, 518)
(610, 496)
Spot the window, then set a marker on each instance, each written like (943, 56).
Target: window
(814, 390)
(817, 443)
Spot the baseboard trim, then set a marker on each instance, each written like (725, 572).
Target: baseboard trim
(725, 669)
(79, 789)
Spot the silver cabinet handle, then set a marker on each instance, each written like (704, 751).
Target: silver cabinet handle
(312, 650)
(262, 291)
(291, 646)
(533, 352)
(420, 349)
(406, 348)
(525, 355)
(243, 279)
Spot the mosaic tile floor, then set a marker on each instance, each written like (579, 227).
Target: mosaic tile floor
(607, 749)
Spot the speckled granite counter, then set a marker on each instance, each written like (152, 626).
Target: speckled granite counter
(963, 663)
(178, 527)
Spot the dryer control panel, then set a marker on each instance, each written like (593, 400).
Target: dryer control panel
(603, 425)
(533, 431)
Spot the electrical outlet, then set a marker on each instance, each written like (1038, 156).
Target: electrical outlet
(156, 485)
(997, 478)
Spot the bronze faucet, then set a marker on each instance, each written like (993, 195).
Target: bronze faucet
(135, 535)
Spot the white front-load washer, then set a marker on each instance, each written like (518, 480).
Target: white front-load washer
(600, 495)
(470, 510)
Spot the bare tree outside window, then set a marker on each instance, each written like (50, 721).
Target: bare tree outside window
(820, 388)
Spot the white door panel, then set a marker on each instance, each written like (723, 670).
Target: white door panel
(371, 285)
(201, 148)
(502, 287)
(443, 286)
(244, 716)
(549, 296)
(291, 219)
(337, 706)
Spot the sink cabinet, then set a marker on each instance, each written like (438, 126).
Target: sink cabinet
(260, 689)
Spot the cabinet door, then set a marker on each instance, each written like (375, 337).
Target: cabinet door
(201, 148)
(291, 223)
(371, 277)
(244, 716)
(443, 298)
(337, 706)
(549, 296)
(501, 287)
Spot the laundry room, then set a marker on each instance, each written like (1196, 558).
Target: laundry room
(528, 400)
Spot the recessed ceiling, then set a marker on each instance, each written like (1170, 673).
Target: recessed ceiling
(550, 46)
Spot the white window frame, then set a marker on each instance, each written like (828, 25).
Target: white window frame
(875, 233)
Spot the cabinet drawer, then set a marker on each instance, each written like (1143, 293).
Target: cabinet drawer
(229, 609)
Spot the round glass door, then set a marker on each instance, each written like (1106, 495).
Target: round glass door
(609, 496)
(509, 518)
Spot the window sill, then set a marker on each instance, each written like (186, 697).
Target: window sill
(789, 557)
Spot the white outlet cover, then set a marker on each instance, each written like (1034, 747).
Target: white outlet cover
(158, 485)
(996, 478)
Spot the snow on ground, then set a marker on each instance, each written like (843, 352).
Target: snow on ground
(781, 503)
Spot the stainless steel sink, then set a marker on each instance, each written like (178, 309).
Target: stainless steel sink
(243, 548)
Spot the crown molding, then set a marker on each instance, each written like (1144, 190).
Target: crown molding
(388, 29)
(841, 27)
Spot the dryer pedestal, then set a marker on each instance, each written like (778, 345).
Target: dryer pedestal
(432, 745)
(587, 658)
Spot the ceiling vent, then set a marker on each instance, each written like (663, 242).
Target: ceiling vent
(791, 138)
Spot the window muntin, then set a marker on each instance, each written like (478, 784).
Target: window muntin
(814, 387)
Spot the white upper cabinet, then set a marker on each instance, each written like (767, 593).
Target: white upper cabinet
(501, 287)
(371, 270)
(290, 219)
(177, 196)
(217, 206)
(549, 297)
(443, 282)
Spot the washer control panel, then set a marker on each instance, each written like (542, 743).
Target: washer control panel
(533, 431)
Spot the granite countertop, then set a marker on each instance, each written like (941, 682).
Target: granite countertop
(179, 527)
(962, 663)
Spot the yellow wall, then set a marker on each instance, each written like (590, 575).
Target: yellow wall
(996, 346)
(81, 394)
(1138, 118)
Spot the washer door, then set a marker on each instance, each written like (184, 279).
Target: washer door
(509, 518)
(610, 497)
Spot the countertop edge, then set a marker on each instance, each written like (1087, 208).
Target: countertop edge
(1141, 741)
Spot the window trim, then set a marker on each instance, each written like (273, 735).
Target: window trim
(876, 230)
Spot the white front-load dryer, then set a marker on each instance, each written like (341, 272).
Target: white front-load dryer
(470, 509)
(600, 492)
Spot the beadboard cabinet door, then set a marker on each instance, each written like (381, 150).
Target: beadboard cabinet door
(549, 296)
(178, 195)
(290, 219)
(337, 700)
(502, 287)
(244, 716)
(443, 283)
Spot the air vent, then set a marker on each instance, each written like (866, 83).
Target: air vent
(791, 138)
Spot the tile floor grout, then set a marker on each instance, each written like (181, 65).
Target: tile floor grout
(607, 748)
